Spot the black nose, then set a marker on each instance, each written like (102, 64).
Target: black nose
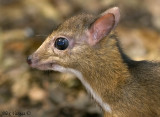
(29, 60)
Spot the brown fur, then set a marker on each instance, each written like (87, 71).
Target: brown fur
(131, 88)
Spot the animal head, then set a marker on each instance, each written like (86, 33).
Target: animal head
(76, 41)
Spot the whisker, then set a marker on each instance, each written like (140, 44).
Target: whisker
(41, 35)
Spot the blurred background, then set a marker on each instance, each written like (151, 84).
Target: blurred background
(24, 25)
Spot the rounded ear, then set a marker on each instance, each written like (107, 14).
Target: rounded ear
(103, 25)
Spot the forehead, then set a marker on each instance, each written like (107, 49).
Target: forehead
(75, 25)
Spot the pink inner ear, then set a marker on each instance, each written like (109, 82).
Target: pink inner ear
(101, 27)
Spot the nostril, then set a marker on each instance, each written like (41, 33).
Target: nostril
(29, 60)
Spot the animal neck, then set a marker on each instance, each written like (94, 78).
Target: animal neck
(107, 72)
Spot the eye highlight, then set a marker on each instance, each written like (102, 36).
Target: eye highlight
(61, 43)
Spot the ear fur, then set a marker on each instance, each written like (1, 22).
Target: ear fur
(103, 25)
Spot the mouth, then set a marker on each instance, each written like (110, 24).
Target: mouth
(47, 65)
(43, 66)
(40, 64)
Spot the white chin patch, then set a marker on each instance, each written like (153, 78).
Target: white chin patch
(79, 75)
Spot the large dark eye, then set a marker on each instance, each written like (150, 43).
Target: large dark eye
(61, 43)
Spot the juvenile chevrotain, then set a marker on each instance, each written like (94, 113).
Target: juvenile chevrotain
(86, 46)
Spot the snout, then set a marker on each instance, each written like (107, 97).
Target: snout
(29, 59)
(38, 62)
(33, 61)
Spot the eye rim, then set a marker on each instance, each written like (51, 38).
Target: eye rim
(63, 38)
